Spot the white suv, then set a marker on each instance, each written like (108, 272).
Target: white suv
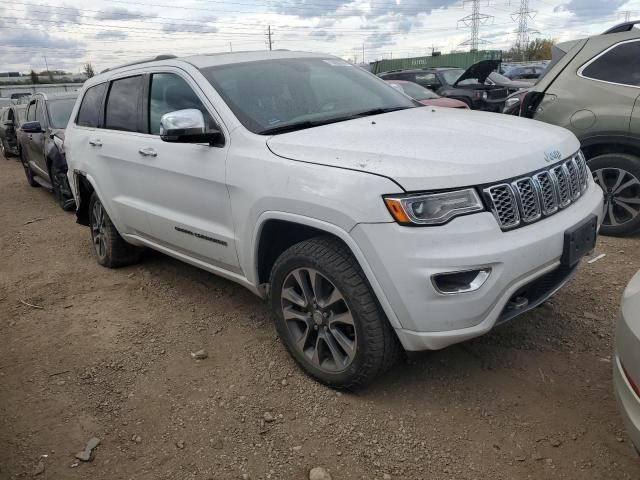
(370, 222)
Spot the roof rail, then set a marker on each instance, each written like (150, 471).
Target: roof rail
(144, 60)
(623, 27)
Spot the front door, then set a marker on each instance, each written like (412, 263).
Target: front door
(37, 158)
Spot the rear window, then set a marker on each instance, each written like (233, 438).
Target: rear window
(122, 104)
(618, 65)
(89, 114)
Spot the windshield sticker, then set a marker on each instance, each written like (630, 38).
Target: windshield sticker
(274, 121)
(337, 63)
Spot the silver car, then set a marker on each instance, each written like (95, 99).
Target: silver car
(626, 371)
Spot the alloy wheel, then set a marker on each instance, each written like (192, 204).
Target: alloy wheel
(98, 229)
(319, 320)
(621, 195)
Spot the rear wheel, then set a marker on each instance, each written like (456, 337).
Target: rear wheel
(618, 175)
(327, 316)
(111, 249)
(27, 170)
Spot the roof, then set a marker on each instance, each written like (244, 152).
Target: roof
(57, 96)
(223, 58)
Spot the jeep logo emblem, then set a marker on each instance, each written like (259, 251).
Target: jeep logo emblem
(552, 156)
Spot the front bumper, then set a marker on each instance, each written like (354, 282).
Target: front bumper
(628, 402)
(404, 259)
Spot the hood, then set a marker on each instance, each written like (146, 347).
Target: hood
(429, 148)
(503, 81)
(444, 102)
(479, 71)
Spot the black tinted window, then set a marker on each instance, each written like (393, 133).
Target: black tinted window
(60, 111)
(31, 113)
(170, 93)
(122, 104)
(40, 117)
(89, 114)
(618, 65)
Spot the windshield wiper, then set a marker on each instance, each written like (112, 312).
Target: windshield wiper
(292, 127)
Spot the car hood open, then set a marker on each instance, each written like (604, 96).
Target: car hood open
(428, 148)
(479, 71)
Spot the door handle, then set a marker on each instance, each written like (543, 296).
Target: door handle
(95, 143)
(148, 152)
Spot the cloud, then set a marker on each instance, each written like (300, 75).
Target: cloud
(309, 8)
(378, 40)
(407, 8)
(27, 47)
(591, 8)
(191, 27)
(118, 13)
(111, 35)
(323, 35)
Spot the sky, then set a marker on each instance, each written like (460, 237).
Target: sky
(106, 33)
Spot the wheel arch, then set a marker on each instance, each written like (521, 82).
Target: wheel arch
(601, 144)
(83, 188)
(277, 231)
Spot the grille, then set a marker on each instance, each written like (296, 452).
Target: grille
(497, 93)
(527, 199)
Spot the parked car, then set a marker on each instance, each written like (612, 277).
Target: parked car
(512, 86)
(367, 222)
(468, 86)
(591, 88)
(524, 73)
(424, 95)
(41, 144)
(10, 120)
(626, 368)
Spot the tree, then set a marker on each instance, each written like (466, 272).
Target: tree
(538, 49)
(34, 76)
(88, 70)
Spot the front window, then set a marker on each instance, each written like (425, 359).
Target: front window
(417, 92)
(452, 76)
(60, 111)
(272, 96)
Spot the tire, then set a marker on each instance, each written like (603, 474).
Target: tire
(620, 173)
(111, 250)
(4, 150)
(65, 204)
(27, 171)
(373, 346)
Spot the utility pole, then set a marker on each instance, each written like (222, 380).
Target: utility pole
(230, 47)
(46, 64)
(522, 16)
(269, 41)
(473, 22)
(363, 52)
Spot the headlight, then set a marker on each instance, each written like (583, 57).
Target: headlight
(511, 102)
(433, 208)
(485, 95)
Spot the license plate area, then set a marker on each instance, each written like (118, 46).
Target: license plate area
(579, 240)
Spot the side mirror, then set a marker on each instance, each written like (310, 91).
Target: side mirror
(32, 127)
(187, 126)
(8, 124)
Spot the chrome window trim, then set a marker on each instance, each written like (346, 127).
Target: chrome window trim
(581, 70)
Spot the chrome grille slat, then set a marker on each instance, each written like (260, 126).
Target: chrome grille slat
(529, 198)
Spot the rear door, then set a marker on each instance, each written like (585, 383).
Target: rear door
(184, 191)
(26, 137)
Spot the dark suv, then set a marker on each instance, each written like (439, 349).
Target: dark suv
(10, 120)
(41, 144)
(465, 85)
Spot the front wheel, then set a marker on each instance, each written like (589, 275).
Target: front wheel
(58, 184)
(111, 249)
(328, 317)
(618, 175)
(27, 170)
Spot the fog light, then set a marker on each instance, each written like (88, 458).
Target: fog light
(460, 282)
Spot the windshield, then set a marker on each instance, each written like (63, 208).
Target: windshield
(268, 96)
(452, 76)
(60, 111)
(417, 92)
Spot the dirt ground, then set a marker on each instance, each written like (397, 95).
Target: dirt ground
(108, 354)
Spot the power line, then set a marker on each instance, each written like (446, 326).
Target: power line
(473, 22)
(523, 16)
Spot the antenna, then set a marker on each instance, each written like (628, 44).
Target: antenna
(473, 22)
(522, 16)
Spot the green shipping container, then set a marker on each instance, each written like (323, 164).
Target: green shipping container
(458, 60)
